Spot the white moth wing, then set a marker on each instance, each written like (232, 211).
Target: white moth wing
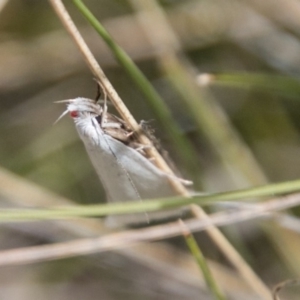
(149, 181)
(124, 172)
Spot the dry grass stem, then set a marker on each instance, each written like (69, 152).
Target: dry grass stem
(234, 257)
(28, 194)
(128, 238)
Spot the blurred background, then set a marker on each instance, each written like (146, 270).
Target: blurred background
(227, 72)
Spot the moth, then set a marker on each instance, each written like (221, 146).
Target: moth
(121, 163)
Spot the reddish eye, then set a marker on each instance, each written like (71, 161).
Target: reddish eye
(74, 114)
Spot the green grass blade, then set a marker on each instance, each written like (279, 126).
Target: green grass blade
(197, 254)
(99, 210)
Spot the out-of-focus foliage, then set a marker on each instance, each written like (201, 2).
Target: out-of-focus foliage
(39, 64)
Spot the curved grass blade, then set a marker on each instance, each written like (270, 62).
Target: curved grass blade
(197, 254)
(98, 210)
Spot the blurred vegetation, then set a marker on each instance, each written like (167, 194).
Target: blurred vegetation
(242, 123)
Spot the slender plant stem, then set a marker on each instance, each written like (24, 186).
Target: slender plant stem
(233, 256)
(119, 240)
(147, 205)
(197, 254)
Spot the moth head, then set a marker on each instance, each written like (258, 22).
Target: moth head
(80, 107)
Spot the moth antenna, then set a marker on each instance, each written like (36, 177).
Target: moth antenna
(61, 116)
(65, 101)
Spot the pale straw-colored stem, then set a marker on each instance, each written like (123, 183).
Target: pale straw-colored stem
(127, 238)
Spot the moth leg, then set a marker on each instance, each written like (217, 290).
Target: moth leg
(130, 134)
(98, 99)
(104, 110)
(110, 124)
(181, 180)
(99, 88)
(143, 147)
